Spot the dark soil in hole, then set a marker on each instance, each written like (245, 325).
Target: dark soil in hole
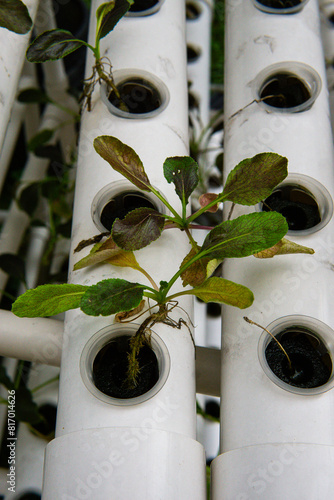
(48, 423)
(331, 19)
(284, 90)
(30, 496)
(298, 207)
(121, 205)
(213, 309)
(280, 4)
(192, 102)
(141, 5)
(212, 408)
(312, 365)
(138, 95)
(192, 54)
(110, 369)
(192, 11)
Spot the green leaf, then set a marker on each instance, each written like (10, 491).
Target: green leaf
(111, 296)
(13, 265)
(48, 300)
(108, 15)
(196, 273)
(29, 197)
(224, 291)
(14, 16)
(245, 235)
(100, 252)
(123, 159)
(52, 152)
(26, 410)
(183, 172)
(30, 96)
(283, 247)
(52, 45)
(253, 179)
(40, 138)
(138, 229)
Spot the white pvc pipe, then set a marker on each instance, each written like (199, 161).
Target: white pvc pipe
(29, 447)
(17, 220)
(13, 53)
(121, 446)
(12, 133)
(31, 339)
(274, 443)
(199, 38)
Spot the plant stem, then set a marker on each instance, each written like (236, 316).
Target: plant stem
(191, 239)
(44, 384)
(177, 275)
(178, 219)
(150, 279)
(274, 338)
(105, 78)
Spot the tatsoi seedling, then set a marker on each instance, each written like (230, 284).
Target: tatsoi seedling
(58, 43)
(259, 233)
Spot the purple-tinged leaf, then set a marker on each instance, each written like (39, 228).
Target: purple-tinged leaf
(123, 159)
(253, 179)
(138, 229)
(52, 45)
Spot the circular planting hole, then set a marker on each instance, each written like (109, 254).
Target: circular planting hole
(120, 205)
(104, 366)
(284, 90)
(193, 11)
(212, 408)
(311, 361)
(280, 4)
(193, 54)
(142, 5)
(296, 204)
(213, 309)
(47, 425)
(137, 96)
(30, 495)
(193, 101)
(110, 369)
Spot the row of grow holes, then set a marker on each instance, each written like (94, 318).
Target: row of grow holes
(306, 204)
(104, 358)
(308, 207)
